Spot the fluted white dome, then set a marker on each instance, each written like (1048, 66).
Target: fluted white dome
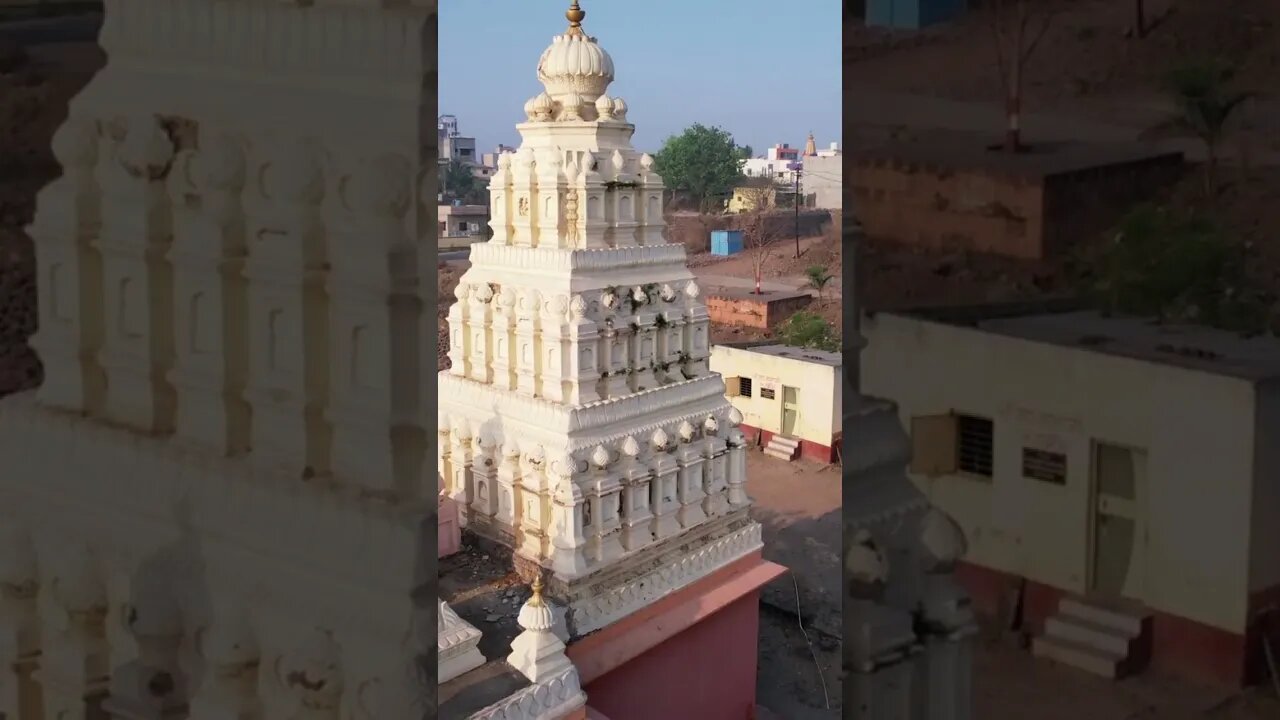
(575, 63)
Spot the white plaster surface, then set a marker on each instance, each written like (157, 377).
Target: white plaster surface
(221, 488)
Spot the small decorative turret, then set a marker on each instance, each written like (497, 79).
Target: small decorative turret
(537, 652)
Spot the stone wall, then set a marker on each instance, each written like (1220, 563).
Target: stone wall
(1032, 208)
(694, 231)
(745, 309)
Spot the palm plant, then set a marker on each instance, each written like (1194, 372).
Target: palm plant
(818, 278)
(1206, 101)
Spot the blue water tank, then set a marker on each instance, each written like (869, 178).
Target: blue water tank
(726, 242)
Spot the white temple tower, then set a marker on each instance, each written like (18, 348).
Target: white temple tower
(579, 423)
(909, 629)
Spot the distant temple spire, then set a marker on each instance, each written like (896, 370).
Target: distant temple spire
(810, 147)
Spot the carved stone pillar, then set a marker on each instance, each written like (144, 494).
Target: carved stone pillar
(548, 214)
(613, 349)
(135, 237)
(523, 189)
(689, 485)
(68, 215)
(736, 465)
(636, 513)
(459, 334)
(535, 506)
(714, 471)
(154, 685)
(74, 663)
(229, 690)
(500, 201)
(19, 623)
(643, 346)
(697, 332)
(479, 326)
(592, 187)
(504, 339)
(211, 315)
(554, 348)
(288, 325)
(604, 541)
(583, 371)
(462, 482)
(652, 230)
(312, 676)
(484, 503)
(664, 497)
(568, 541)
(374, 324)
(623, 203)
(506, 486)
(528, 342)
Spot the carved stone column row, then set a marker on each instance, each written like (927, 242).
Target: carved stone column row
(570, 200)
(237, 291)
(78, 644)
(577, 514)
(576, 350)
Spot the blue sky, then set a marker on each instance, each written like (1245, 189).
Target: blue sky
(766, 71)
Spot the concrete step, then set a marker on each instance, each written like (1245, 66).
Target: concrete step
(1129, 621)
(1081, 657)
(1082, 632)
(784, 441)
(780, 454)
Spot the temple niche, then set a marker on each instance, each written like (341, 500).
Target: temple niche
(579, 423)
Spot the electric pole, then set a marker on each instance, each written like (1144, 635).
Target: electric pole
(796, 203)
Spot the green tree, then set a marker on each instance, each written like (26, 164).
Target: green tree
(702, 161)
(461, 184)
(809, 330)
(1179, 267)
(1202, 90)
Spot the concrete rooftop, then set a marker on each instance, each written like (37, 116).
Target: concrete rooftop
(820, 357)
(1181, 345)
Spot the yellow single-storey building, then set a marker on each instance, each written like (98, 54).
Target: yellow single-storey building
(1101, 464)
(789, 393)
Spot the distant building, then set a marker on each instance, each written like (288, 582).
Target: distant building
(463, 221)
(1124, 474)
(822, 183)
(490, 160)
(454, 146)
(775, 165)
(750, 199)
(789, 396)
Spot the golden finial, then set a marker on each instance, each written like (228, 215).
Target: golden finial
(575, 15)
(536, 600)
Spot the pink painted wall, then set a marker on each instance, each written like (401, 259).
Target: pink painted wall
(706, 672)
(449, 531)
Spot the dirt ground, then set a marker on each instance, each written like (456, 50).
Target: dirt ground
(798, 505)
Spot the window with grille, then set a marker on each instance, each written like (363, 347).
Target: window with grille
(744, 387)
(1050, 467)
(974, 454)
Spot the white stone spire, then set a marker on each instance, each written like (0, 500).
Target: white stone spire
(537, 652)
(579, 348)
